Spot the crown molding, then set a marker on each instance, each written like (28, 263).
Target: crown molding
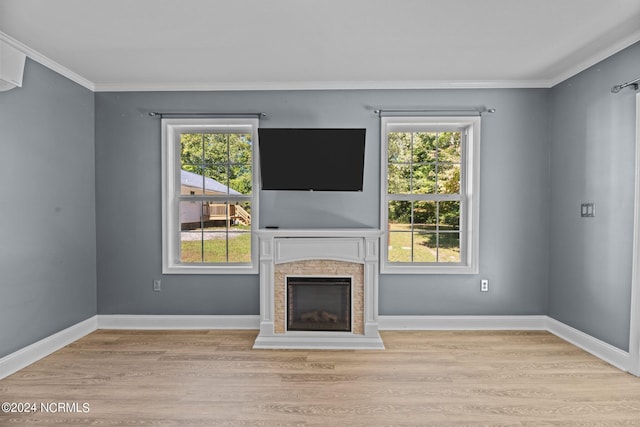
(319, 85)
(47, 62)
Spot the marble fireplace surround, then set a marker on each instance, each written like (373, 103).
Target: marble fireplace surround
(321, 253)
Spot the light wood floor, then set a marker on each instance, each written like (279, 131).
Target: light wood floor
(214, 378)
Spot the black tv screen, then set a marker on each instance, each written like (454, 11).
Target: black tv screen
(311, 159)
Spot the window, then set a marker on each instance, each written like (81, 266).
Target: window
(209, 197)
(430, 182)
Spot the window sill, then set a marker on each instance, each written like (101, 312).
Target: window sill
(400, 268)
(210, 269)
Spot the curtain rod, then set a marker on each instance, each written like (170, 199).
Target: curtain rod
(478, 110)
(633, 83)
(204, 114)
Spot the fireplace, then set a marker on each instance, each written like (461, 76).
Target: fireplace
(319, 289)
(319, 304)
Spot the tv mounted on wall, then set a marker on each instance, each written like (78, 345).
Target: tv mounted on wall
(323, 159)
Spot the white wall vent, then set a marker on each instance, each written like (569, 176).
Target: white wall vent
(11, 66)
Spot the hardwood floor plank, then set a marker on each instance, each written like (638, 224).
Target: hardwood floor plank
(214, 378)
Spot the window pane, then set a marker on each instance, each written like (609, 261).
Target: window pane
(449, 216)
(198, 180)
(191, 182)
(240, 214)
(399, 215)
(215, 148)
(424, 215)
(191, 247)
(399, 249)
(239, 245)
(449, 147)
(216, 180)
(449, 250)
(191, 148)
(240, 179)
(448, 178)
(399, 147)
(191, 215)
(425, 247)
(399, 179)
(215, 244)
(424, 179)
(240, 148)
(215, 214)
(424, 147)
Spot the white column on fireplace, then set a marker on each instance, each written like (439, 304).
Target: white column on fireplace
(279, 246)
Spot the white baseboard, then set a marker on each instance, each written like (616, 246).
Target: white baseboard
(123, 321)
(452, 323)
(26, 356)
(34, 352)
(610, 354)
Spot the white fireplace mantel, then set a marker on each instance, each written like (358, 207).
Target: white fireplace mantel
(352, 245)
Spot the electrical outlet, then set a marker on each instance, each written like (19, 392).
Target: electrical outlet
(484, 285)
(157, 285)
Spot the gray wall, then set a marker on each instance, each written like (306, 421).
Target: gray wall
(592, 160)
(47, 208)
(514, 190)
(543, 153)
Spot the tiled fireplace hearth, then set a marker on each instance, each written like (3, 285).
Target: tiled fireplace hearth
(319, 289)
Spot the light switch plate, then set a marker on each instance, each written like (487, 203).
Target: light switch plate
(587, 210)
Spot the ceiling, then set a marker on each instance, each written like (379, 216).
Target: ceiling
(321, 44)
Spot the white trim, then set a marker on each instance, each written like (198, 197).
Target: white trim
(468, 323)
(634, 326)
(32, 353)
(610, 354)
(273, 249)
(157, 322)
(315, 342)
(328, 248)
(600, 349)
(320, 85)
(48, 62)
(170, 155)
(469, 193)
(324, 85)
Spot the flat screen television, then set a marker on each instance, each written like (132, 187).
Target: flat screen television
(323, 159)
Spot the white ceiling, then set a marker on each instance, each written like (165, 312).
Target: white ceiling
(307, 44)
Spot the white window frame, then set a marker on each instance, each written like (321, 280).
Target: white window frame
(171, 130)
(469, 187)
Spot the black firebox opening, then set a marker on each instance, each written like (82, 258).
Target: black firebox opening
(319, 304)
